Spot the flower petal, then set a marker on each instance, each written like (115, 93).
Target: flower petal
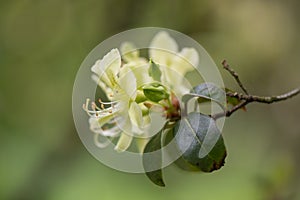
(162, 48)
(136, 115)
(187, 60)
(101, 144)
(175, 81)
(140, 70)
(129, 51)
(123, 142)
(103, 86)
(100, 75)
(127, 82)
(141, 143)
(111, 63)
(147, 120)
(191, 55)
(96, 126)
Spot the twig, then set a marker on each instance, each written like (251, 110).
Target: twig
(228, 113)
(235, 75)
(247, 98)
(268, 100)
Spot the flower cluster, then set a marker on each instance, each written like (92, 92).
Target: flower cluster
(135, 87)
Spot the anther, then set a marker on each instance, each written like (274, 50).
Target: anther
(93, 106)
(148, 105)
(102, 106)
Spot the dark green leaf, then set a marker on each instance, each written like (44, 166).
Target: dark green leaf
(154, 71)
(184, 165)
(207, 92)
(200, 141)
(154, 161)
(179, 162)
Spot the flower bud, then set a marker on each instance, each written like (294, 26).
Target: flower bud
(155, 92)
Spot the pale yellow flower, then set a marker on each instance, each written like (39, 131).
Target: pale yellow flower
(174, 63)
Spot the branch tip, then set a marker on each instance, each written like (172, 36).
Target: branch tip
(235, 76)
(247, 98)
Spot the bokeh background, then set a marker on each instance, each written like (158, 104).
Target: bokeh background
(42, 44)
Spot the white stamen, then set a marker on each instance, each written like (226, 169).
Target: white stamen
(99, 112)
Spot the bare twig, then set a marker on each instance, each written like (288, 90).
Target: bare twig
(228, 113)
(247, 98)
(268, 100)
(235, 75)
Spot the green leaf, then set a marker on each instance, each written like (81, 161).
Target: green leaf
(179, 162)
(184, 165)
(207, 92)
(154, 161)
(200, 142)
(155, 92)
(154, 71)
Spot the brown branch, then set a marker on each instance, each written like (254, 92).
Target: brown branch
(247, 98)
(228, 113)
(235, 75)
(268, 100)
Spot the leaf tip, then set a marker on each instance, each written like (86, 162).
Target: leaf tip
(217, 165)
(160, 183)
(156, 178)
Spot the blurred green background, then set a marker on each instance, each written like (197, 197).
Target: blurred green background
(42, 44)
